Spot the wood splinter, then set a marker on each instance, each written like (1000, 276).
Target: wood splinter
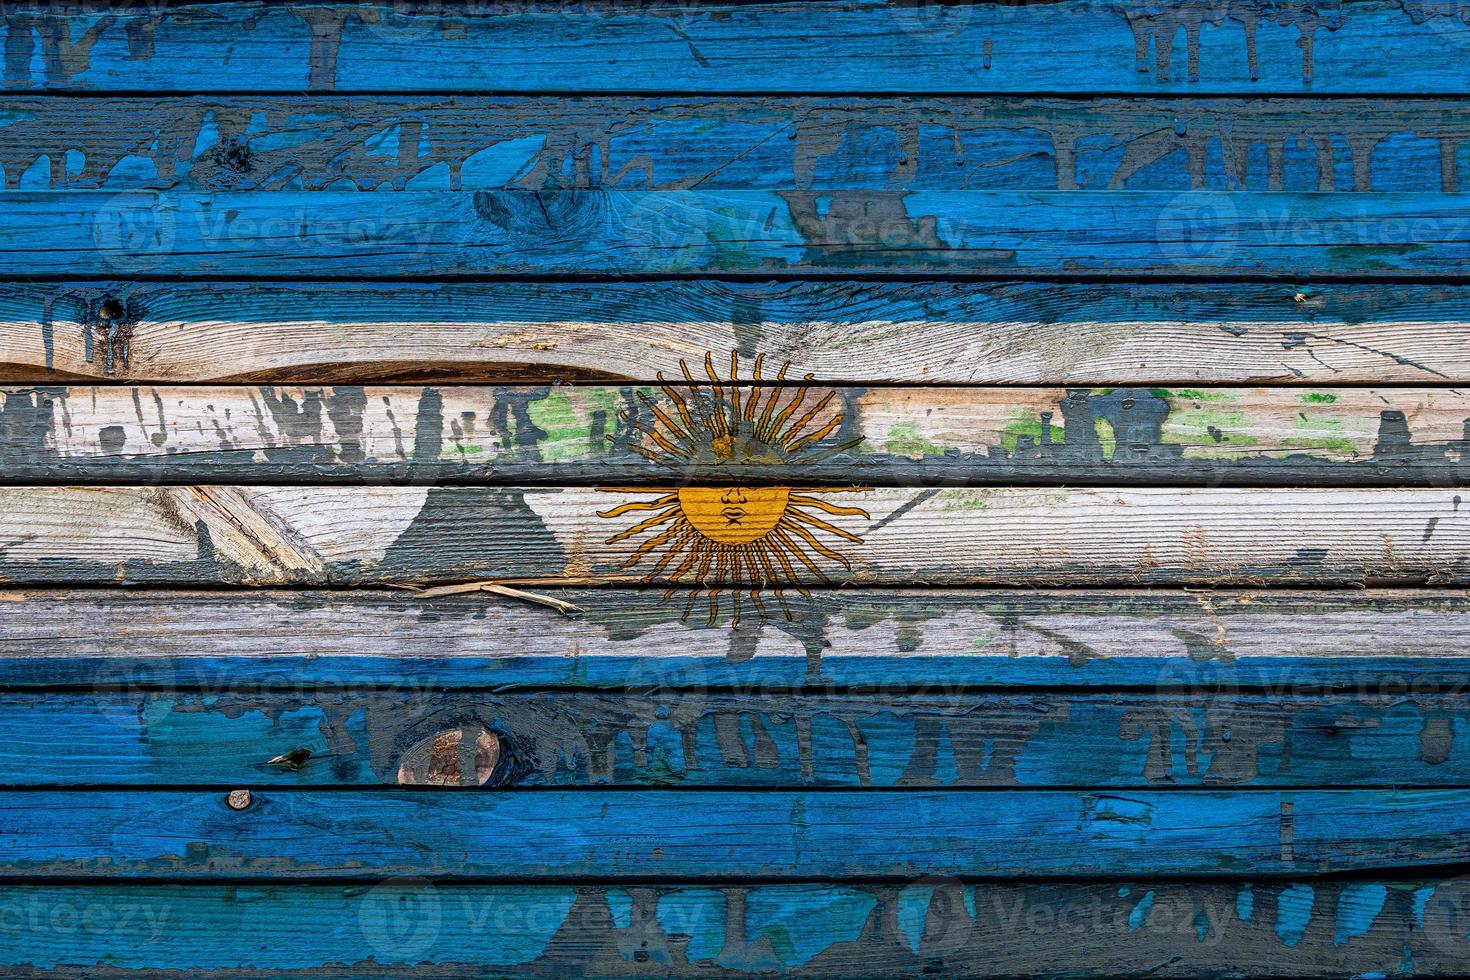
(494, 588)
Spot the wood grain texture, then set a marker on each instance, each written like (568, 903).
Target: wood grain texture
(1286, 643)
(388, 143)
(1324, 928)
(914, 333)
(1246, 46)
(688, 738)
(708, 834)
(885, 435)
(892, 536)
(998, 233)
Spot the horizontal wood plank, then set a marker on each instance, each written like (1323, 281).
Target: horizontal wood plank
(702, 232)
(1326, 928)
(1249, 46)
(718, 540)
(384, 143)
(886, 435)
(1407, 642)
(707, 834)
(915, 333)
(690, 738)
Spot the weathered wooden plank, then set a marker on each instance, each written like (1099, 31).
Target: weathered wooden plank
(688, 738)
(1068, 46)
(1326, 928)
(725, 541)
(917, 333)
(395, 143)
(701, 232)
(888, 435)
(707, 834)
(1284, 642)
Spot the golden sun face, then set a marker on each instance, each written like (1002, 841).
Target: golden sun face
(734, 515)
(738, 539)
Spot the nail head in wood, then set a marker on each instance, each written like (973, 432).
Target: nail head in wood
(240, 799)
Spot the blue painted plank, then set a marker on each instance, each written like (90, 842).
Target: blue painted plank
(1123, 233)
(690, 738)
(1395, 642)
(706, 834)
(385, 143)
(1247, 46)
(412, 928)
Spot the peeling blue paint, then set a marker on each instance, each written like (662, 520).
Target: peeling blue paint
(1294, 913)
(1139, 915)
(1358, 907)
(1245, 901)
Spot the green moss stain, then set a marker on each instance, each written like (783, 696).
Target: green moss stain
(1322, 433)
(1204, 429)
(555, 415)
(1345, 447)
(1027, 423)
(1318, 398)
(1106, 437)
(567, 426)
(905, 439)
(468, 449)
(966, 500)
(1196, 395)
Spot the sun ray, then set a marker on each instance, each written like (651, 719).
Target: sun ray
(816, 436)
(649, 545)
(680, 406)
(830, 508)
(779, 422)
(698, 403)
(760, 607)
(780, 537)
(716, 413)
(696, 554)
(671, 514)
(702, 574)
(664, 418)
(763, 427)
(659, 438)
(689, 603)
(674, 550)
(734, 389)
(806, 419)
(747, 554)
(817, 522)
(628, 508)
(789, 527)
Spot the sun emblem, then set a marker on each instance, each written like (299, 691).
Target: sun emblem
(736, 540)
